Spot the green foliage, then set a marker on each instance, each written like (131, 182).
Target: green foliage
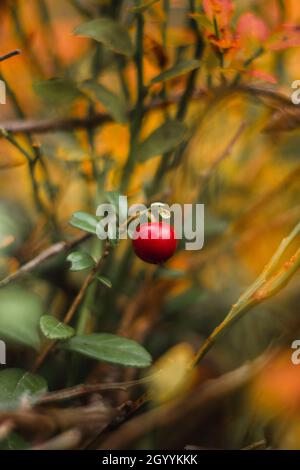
(178, 69)
(57, 91)
(80, 260)
(20, 315)
(54, 329)
(16, 384)
(13, 442)
(84, 221)
(113, 104)
(162, 140)
(109, 348)
(108, 32)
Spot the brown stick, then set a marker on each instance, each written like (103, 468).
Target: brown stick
(40, 126)
(45, 255)
(10, 54)
(85, 389)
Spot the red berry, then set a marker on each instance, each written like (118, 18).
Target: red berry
(155, 242)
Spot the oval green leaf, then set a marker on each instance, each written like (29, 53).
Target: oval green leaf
(179, 69)
(20, 316)
(162, 140)
(80, 260)
(113, 104)
(57, 90)
(54, 329)
(84, 221)
(108, 32)
(17, 383)
(110, 348)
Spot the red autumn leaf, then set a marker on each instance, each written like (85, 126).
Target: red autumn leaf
(261, 75)
(250, 26)
(222, 9)
(226, 42)
(288, 36)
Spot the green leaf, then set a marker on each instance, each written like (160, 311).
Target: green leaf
(104, 281)
(179, 69)
(113, 104)
(203, 21)
(143, 5)
(80, 260)
(57, 90)
(54, 329)
(84, 221)
(17, 383)
(162, 140)
(20, 316)
(110, 348)
(14, 442)
(108, 32)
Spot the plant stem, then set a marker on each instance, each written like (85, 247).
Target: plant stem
(139, 108)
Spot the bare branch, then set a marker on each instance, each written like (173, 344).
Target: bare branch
(10, 54)
(53, 250)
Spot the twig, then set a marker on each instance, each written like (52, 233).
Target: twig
(40, 126)
(53, 250)
(226, 152)
(84, 389)
(10, 54)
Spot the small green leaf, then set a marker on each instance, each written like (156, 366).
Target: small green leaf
(203, 21)
(80, 260)
(108, 32)
(104, 281)
(179, 69)
(114, 105)
(84, 221)
(20, 316)
(143, 5)
(54, 329)
(110, 348)
(16, 383)
(162, 140)
(57, 90)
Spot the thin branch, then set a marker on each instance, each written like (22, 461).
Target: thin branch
(226, 152)
(85, 389)
(41, 126)
(53, 250)
(10, 54)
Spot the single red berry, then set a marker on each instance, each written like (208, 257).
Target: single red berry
(155, 242)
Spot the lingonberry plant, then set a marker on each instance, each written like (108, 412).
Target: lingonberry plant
(182, 101)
